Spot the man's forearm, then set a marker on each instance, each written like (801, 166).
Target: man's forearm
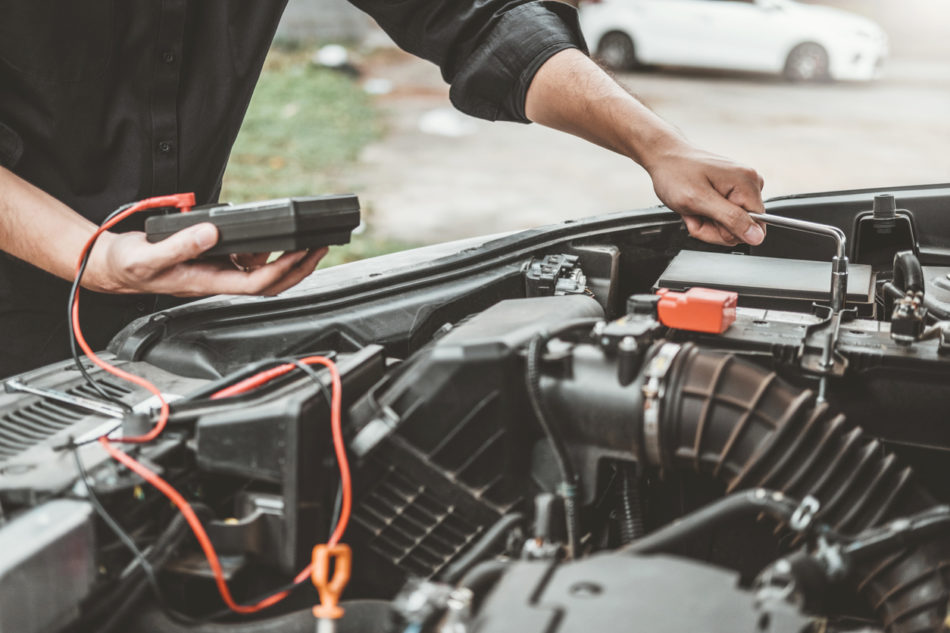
(713, 194)
(572, 94)
(39, 229)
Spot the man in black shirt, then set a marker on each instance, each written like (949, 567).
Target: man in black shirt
(103, 103)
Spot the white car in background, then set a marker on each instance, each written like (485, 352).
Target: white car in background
(802, 42)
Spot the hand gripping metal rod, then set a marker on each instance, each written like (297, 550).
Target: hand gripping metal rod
(839, 264)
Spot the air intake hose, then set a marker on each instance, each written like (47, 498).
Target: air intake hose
(740, 423)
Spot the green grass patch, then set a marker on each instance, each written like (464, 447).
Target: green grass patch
(304, 128)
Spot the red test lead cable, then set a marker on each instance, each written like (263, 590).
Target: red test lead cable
(183, 201)
(336, 425)
(198, 530)
(195, 524)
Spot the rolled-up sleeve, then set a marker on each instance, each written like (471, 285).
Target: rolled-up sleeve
(11, 147)
(488, 50)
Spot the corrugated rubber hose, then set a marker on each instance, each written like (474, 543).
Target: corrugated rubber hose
(738, 422)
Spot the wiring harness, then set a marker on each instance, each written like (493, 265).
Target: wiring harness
(317, 571)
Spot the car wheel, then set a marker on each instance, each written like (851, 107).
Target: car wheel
(617, 51)
(807, 62)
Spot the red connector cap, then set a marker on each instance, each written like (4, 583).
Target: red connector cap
(697, 309)
(182, 201)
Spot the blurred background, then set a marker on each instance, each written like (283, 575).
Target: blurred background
(340, 108)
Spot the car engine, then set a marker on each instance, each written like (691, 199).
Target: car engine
(600, 425)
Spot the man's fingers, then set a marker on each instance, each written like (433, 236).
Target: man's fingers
(747, 198)
(184, 245)
(736, 220)
(203, 278)
(750, 201)
(708, 231)
(258, 281)
(731, 213)
(170, 267)
(719, 194)
(693, 224)
(727, 238)
(297, 274)
(249, 261)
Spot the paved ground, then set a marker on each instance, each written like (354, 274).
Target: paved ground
(427, 187)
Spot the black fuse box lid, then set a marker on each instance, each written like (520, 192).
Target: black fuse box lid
(765, 282)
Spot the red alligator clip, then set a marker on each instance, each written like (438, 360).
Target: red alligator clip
(183, 201)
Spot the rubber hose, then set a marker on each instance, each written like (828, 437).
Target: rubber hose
(908, 274)
(631, 524)
(569, 482)
(483, 576)
(489, 544)
(740, 423)
(749, 504)
(568, 487)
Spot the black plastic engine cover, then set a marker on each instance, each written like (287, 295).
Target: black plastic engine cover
(620, 592)
(281, 438)
(767, 282)
(443, 445)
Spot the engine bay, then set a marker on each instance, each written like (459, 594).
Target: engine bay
(600, 425)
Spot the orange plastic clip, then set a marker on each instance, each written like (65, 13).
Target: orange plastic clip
(697, 309)
(330, 589)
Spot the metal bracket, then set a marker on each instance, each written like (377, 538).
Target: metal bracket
(839, 264)
(839, 285)
(654, 388)
(804, 514)
(835, 565)
(95, 406)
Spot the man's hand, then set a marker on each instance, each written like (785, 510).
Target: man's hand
(128, 263)
(714, 195)
(39, 229)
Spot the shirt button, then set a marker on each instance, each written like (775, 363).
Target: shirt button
(168, 57)
(140, 306)
(164, 147)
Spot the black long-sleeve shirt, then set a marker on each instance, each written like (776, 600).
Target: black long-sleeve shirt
(104, 102)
